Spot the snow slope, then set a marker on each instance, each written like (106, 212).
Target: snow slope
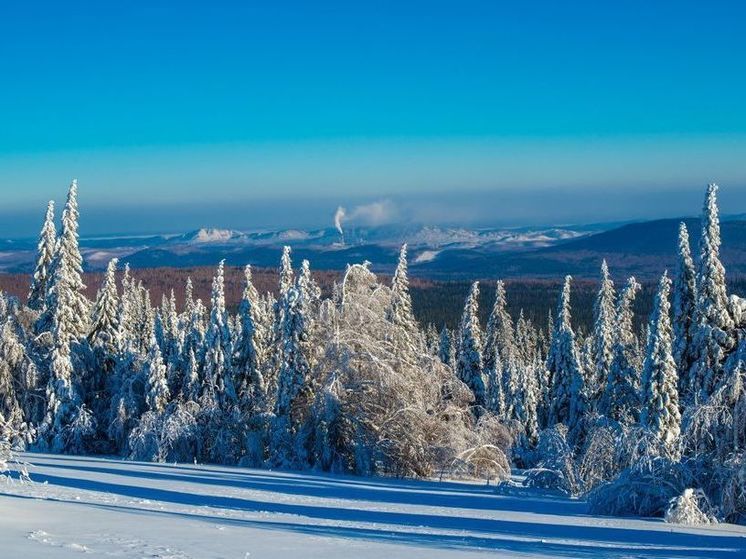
(110, 508)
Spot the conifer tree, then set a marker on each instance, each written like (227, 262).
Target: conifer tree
(63, 400)
(294, 389)
(713, 324)
(401, 313)
(45, 255)
(513, 381)
(683, 307)
(104, 342)
(218, 352)
(602, 339)
(67, 271)
(445, 351)
(684, 310)
(620, 400)
(567, 400)
(105, 326)
(194, 335)
(495, 389)
(190, 387)
(286, 271)
(660, 399)
(250, 345)
(12, 356)
(157, 395)
(126, 310)
(309, 289)
(432, 340)
(188, 300)
(469, 364)
(526, 340)
(499, 338)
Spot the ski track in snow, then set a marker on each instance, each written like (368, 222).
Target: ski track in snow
(79, 506)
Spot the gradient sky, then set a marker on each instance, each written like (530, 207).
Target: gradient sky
(259, 114)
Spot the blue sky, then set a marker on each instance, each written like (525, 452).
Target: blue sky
(258, 114)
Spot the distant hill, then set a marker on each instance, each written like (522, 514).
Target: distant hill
(642, 249)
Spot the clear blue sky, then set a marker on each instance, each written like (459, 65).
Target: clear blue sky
(220, 105)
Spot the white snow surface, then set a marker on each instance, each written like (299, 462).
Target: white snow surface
(79, 506)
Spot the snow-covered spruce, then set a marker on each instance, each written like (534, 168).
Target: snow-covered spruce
(469, 362)
(683, 304)
(45, 251)
(603, 335)
(660, 397)
(713, 325)
(567, 401)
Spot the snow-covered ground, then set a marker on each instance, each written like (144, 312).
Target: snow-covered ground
(111, 508)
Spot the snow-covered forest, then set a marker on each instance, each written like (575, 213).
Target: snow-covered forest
(649, 423)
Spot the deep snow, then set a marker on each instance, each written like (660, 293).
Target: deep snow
(112, 508)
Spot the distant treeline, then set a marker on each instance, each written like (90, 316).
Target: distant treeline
(435, 302)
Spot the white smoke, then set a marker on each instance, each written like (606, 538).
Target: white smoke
(339, 216)
(370, 215)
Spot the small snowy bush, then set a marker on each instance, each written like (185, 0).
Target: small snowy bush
(733, 495)
(556, 467)
(7, 456)
(644, 489)
(691, 507)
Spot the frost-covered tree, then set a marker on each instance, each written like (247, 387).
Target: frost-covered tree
(499, 336)
(620, 400)
(526, 339)
(104, 343)
(286, 270)
(172, 335)
(126, 311)
(294, 389)
(524, 400)
(21, 401)
(194, 334)
(190, 386)
(659, 413)
(401, 313)
(45, 251)
(157, 394)
(218, 352)
(432, 339)
(445, 351)
(126, 389)
(188, 301)
(495, 389)
(513, 381)
(67, 275)
(713, 337)
(310, 299)
(286, 281)
(11, 352)
(567, 400)
(469, 363)
(105, 324)
(63, 401)
(683, 308)
(603, 335)
(251, 346)
(714, 431)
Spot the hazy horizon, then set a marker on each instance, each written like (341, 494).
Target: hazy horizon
(244, 115)
(506, 208)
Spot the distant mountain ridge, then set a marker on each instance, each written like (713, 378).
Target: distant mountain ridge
(640, 248)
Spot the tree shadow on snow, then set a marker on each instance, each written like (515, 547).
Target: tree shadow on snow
(503, 534)
(425, 496)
